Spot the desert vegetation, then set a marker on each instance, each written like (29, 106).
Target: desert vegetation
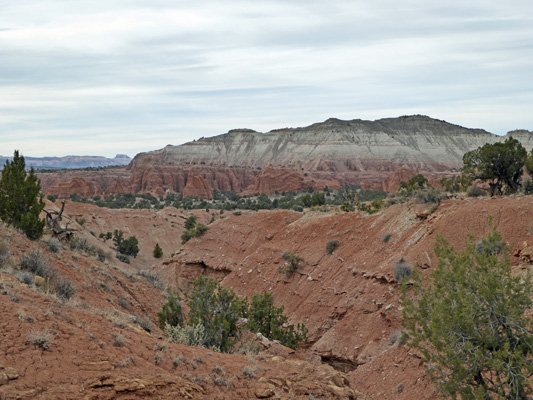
(470, 322)
(20, 198)
(214, 312)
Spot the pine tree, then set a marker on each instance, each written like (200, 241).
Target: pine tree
(20, 200)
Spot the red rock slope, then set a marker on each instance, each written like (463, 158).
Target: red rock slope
(348, 300)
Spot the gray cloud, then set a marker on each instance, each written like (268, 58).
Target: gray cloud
(129, 76)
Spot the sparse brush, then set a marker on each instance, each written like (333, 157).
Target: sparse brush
(143, 322)
(53, 244)
(119, 340)
(331, 246)
(178, 360)
(152, 278)
(64, 289)
(248, 373)
(159, 357)
(160, 347)
(402, 270)
(42, 339)
(4, 254)
(25, 277)
(36, 263)
(219, 381)
(294, 261)
(475, 191)
(123, 303)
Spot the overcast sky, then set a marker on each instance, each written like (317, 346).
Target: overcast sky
(125, 76)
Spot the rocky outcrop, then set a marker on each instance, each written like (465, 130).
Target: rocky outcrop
(79, 186)
(197, 187)
(274, 179)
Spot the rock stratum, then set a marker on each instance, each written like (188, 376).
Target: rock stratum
(333, 153)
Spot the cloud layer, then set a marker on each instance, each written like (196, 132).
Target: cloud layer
(106, 77)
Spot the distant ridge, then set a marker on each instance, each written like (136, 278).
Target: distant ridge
(334, 153)
(72, 162)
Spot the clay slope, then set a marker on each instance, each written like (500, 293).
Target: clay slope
(104, 343)
(348, 300)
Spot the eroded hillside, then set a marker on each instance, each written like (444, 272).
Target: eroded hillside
(349, 299)
(78, 324)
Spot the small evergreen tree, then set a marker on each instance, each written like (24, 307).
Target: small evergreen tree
(20, 200)
(190, 222)
(264, 317)
(171, 312)
(129, 246)
(218, 309)
(470, 323)
(158, 251)
(501, 164)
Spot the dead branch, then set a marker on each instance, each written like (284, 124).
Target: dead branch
(53, 222)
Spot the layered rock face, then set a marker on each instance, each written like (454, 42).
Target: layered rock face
(335, 146)
(333, 153)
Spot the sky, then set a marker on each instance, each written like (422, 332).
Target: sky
(127, 76)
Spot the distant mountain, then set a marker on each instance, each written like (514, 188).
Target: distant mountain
(334, 153)
(71, 162)
(337, 146)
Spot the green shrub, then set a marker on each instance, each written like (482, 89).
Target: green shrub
(51, 197)
(129, 246)
(264, 317)
(171, 312)
(471, 323)
(331, 246)
(216, 308)
(123, 258)
(385, 238)
(158, 251)
(193, 229)
(190, 222)
(294, 261)
(402, 269)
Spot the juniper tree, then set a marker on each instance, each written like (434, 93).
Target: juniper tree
(20, 199)
(470, 325)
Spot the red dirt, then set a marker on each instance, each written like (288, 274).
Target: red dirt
(348, 300)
